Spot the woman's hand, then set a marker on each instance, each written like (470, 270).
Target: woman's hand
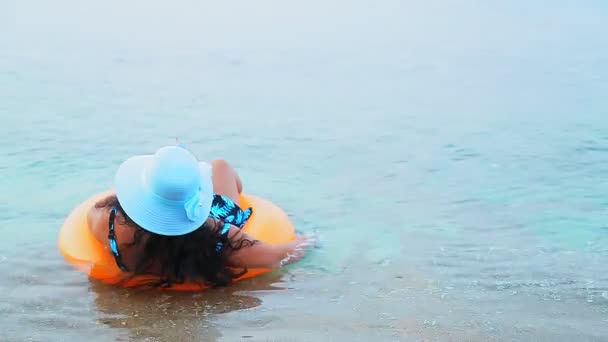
(298, 250)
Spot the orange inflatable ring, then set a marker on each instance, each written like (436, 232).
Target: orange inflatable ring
(80, 248)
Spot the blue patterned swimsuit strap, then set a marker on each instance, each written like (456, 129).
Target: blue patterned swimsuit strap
(223, 237)
(113, 243)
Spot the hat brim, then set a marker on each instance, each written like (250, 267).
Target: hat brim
(151, 213)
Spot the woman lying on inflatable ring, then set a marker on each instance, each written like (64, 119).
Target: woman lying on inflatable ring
(180, 220)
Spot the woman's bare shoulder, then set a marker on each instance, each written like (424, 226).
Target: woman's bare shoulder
(95, 219)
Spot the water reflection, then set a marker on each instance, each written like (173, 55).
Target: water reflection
(177, 316)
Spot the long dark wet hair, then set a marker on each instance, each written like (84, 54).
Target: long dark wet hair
(192, 258)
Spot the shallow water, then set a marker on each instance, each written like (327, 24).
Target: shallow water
(451, 155)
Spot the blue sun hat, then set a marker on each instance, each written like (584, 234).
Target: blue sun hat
(167, 193)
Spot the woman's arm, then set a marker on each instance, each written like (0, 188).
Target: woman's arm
(265, 255)
(95, 217)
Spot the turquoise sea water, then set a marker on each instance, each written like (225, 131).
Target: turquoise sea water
(451, 155)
